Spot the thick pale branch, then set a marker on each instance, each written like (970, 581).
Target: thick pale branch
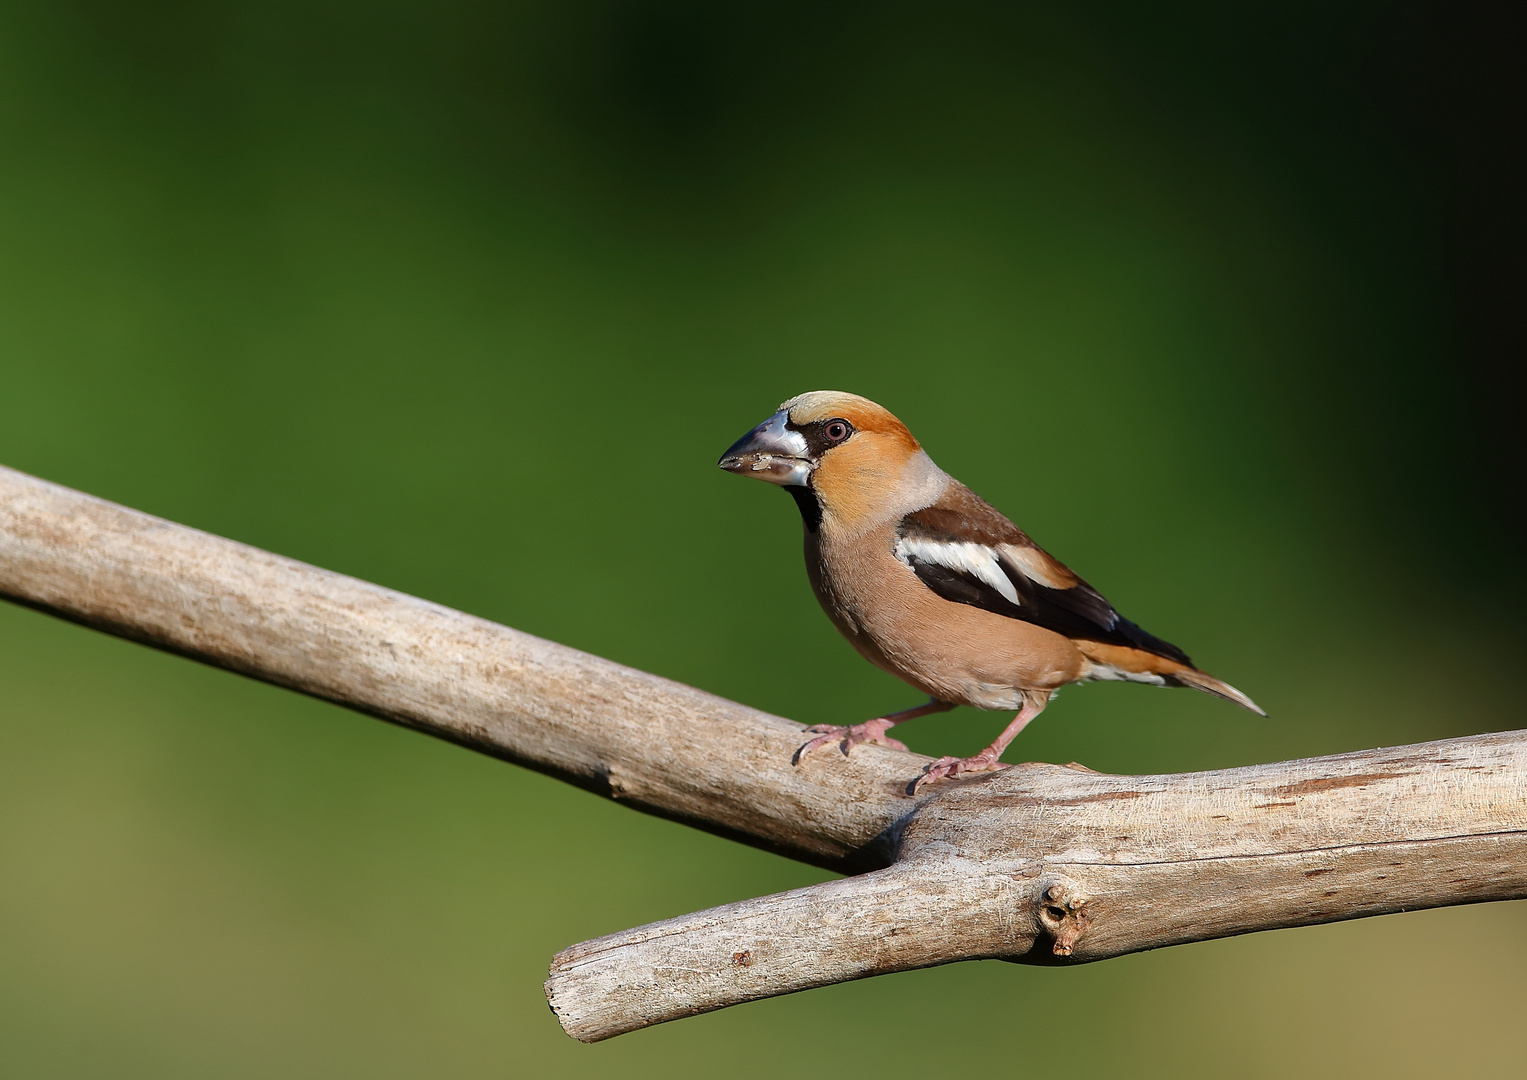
(1042, 864)
(654, 744)
(909, 916)
(1038, 864)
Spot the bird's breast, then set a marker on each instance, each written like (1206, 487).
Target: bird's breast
(951, 651)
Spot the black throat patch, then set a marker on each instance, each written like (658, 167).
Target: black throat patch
(810, 506)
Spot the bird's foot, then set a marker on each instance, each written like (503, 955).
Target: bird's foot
(871, 731)
(950, 767)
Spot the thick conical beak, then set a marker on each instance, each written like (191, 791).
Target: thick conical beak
(771, 452)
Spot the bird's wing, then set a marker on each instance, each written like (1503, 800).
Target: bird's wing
(967, 552)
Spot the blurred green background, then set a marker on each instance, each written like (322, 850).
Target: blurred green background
(1218, 302)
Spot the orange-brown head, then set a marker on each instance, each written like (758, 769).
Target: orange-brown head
(839, 454)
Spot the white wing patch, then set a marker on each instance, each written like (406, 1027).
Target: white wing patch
(975, 559)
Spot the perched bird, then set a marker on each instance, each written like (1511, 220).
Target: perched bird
(931, 583)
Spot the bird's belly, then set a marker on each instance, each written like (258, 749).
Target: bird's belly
(952, 652)
(987, 663)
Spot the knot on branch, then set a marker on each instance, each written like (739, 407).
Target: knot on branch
(1061, 909)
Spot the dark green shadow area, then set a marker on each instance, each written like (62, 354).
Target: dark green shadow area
(466, 299)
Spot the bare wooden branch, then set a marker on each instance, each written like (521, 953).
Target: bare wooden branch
(1039, 864)
(1043, 864)
(655, 744)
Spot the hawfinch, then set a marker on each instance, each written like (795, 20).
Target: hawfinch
(931, 583)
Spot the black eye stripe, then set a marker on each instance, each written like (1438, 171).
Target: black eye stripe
(817, 439)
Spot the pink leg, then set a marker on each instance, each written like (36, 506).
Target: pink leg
(986, 760)
(871, 731)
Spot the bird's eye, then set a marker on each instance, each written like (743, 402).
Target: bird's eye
(837, 430)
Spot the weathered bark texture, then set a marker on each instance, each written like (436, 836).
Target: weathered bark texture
(1041, 863)
(658, 745)
(1044, 864)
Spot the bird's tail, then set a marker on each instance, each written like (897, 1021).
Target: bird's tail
(1200, 680)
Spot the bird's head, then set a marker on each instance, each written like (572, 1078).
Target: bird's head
(847, 451)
